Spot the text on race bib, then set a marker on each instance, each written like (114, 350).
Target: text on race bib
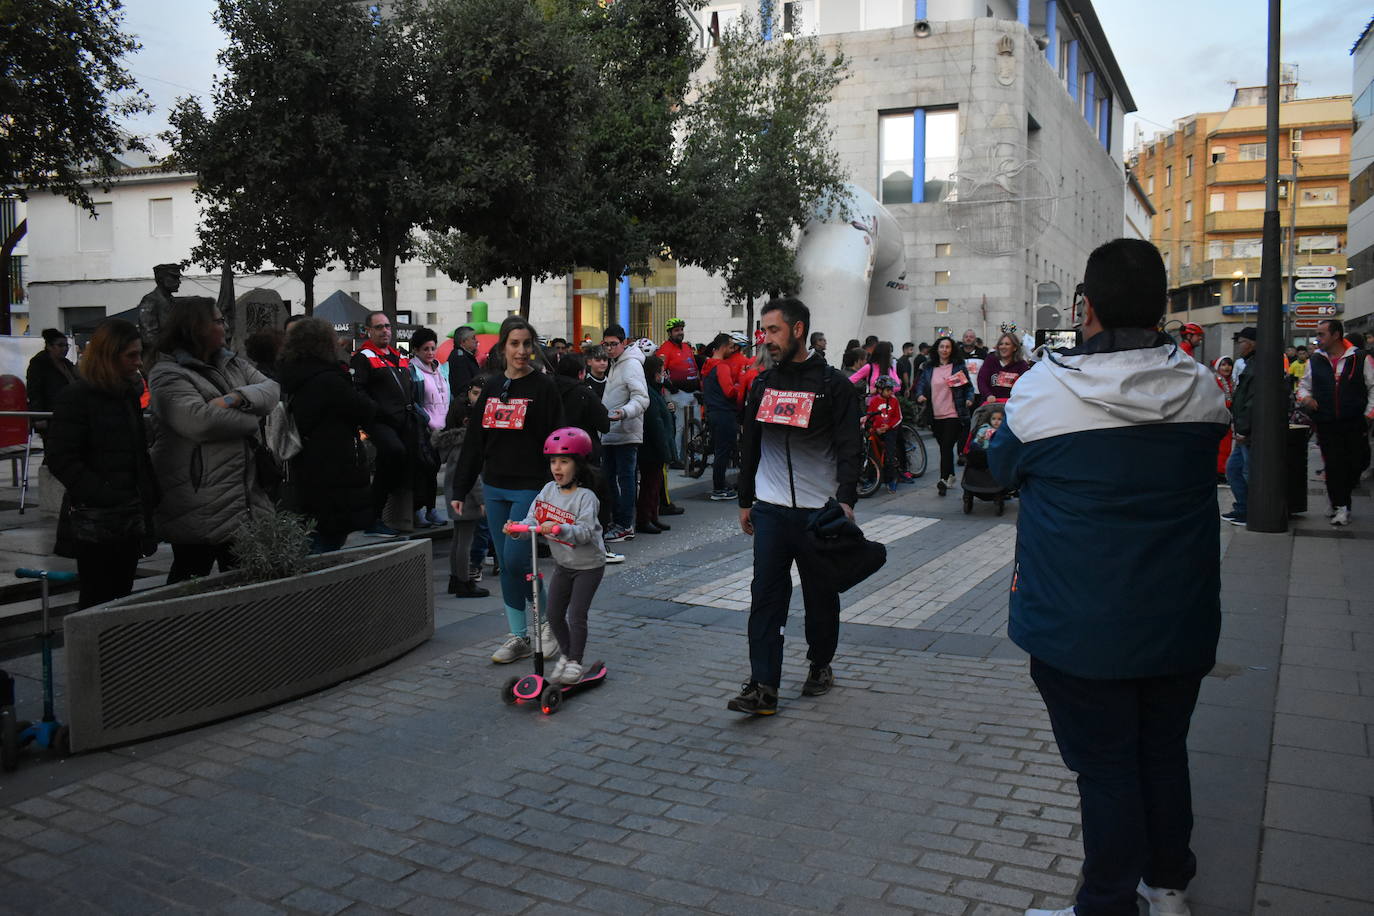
(958, 380)
(547, 512)
(509, 415)
(1005, 379)
(786, 408)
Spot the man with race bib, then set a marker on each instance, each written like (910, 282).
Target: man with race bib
(802, 447)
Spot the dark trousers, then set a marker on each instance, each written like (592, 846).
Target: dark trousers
(392, 469)
(106, 571)
(619, 462)
(780, 538)
(460, 549)
(570, 596)
(947, 436)
(1128, 742)
(724, 431)
(1343, 444)
(650, 492)
(892, 454)
(190, 560)
(481, 543)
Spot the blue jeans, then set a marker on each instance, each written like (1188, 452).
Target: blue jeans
(481, 540)
(619, 463)
(1238, 477)
(780, 538)
(514, 555)
(1127, 740)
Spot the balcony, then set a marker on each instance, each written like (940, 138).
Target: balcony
(1233, 220)
(1252, 172)
(1236, 172)
(1227, 268)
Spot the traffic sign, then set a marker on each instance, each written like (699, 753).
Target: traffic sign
(1314, 297)
(1314, 284)
(1321, 311)
(1315, 270)
(1306, 324)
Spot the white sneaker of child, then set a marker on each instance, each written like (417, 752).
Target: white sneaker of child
(555, 676)
(572, 673)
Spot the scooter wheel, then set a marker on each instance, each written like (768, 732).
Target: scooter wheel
(508, 691)
(550, 700)
(9, 740)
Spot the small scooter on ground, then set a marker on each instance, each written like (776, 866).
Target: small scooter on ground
(535, 688)
(48, 734)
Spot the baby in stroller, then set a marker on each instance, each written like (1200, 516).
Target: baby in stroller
(978, 481)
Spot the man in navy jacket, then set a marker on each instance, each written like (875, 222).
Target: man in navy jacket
(1112, 445)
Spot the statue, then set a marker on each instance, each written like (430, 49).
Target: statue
(156, 305)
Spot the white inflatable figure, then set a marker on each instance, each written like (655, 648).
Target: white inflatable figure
(853, 274)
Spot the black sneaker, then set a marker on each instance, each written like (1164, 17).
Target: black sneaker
(818, 681)
(756, 699)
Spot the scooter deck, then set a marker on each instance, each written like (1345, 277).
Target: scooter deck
(530, 687)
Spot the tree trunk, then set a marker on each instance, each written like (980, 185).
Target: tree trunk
(387, 262)
(612, 294)
(526, 290)
(307, 279)
(11, 241)
(749, 315)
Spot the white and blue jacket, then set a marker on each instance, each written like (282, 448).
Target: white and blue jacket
(1113, 446)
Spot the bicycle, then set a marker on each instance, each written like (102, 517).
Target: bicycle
(875, 455)
(701, 444)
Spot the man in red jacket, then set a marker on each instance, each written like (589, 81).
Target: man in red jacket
(677, 356)
(720, 382)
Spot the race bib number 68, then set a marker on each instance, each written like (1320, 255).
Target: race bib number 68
(786, 408)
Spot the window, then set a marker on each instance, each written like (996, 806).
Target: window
(941, 277)
(1217, 202)
(1245, 290)
(430, 271)
(799, 18)
(473, 292)
(1249, 200)
(431, 318)
(1187, 211)
(943, 249)
(1246, 248)
(896, 141)
(512, 292)
(1150, 185)
(1216, 250)
(1318, 197)
(941, 306)
(353, 275)
(1251, 152)
(431, 295)
(1218, 154)
(1187, 259)
(357, 295)
(1166, 261)
(1168, 176)
(1168, 219)
(728, 13)
(1187, 166)
(1319, 244)
(1322, 146)
(160, 216)
(95, 232)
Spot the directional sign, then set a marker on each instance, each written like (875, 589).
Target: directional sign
(1314, 284)
(1322, 311)
(1245, 308)
(1314, 297)
(1306, 324)
(1315, 270)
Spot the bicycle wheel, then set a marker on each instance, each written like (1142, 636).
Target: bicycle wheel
(697, 446)
(870, 476)
(915, 450)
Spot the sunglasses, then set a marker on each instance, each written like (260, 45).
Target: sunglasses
(504, 396)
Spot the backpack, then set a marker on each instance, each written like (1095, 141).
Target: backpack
(280, 434)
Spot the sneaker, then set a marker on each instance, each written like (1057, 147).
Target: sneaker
(1342, 516)
(548, 643)
(942, 487)
(1330, 511)
(556, 674)
(468, 589)
(513, 649)
(572, 673)
(951, 480)
(1233, 518)
(724, 495)
(475, 573)
(819, 680)
(756, 699)
(612, 557)
(380, 530)
(1067, 911)
(436, 518)
(892, 487)
(617, 533)
(421, 520)
(672, 509)
(1163, 901)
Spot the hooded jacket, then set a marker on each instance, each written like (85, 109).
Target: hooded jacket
(203, 455)
(626, 390)
(802, 466)
(1113, 447)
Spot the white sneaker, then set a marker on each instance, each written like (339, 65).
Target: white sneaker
(1067, 911)
(571, 673)
(613, 557)
(1341, 516)
(556, 674)
(1330, 511)
(1163, 901)
(513, 649)
(547, 641)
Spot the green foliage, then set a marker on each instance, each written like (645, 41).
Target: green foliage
(63, 89)
(272, 545)
(757, 161)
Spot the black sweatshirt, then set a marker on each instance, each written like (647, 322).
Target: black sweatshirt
(511, 458)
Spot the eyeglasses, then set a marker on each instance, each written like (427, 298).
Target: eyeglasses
(378, 327)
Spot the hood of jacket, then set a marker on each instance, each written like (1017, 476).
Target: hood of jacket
(1121, 377)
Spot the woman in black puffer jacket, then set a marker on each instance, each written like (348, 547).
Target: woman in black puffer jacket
(333, 484)
(97, 447)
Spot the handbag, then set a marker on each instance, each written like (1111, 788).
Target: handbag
(103, 524)
(280, 433)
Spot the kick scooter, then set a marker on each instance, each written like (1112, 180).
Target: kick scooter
(535, 688)
(48, 734)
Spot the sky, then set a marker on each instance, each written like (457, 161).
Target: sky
(1178, 56)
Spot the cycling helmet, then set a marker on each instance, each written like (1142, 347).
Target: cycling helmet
(740, 340)
(885, 381)
(673, 323)
(568, 440)
(1191, 328)
(646, 346)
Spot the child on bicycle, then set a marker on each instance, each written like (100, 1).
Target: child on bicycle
(886, 412)
(569, 504)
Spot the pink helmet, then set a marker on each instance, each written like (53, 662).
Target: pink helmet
(568, 440)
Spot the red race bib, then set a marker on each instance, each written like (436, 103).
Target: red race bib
(547, 512)
(510, 415)
(1005, 379)
(957, 380)
(786, 408)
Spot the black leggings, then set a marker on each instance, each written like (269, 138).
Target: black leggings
(570, 596)
(947, 436)
(190, 560)
(107, 571)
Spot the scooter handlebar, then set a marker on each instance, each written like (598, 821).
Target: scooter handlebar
(49, 574)
(525, 529)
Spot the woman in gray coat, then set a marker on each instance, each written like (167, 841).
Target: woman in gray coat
(207, 403)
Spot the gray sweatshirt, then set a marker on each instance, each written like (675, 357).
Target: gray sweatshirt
(578, 543)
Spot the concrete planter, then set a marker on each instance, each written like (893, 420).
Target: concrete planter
(158, 661)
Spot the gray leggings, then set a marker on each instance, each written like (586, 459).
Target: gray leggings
(570, 595)
(461, 546)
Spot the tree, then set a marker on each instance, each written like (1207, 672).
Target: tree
(63, 89)
(757, 161)
(506, 83)
(274, 159)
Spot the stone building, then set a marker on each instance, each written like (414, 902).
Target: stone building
(1360, 242)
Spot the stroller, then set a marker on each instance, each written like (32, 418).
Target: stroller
(978, 482)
